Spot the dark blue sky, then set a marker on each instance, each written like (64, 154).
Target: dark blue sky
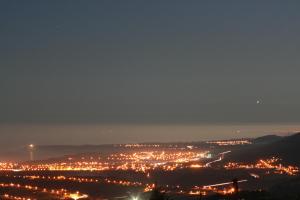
(149, 61)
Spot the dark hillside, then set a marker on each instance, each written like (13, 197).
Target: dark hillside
(286, 148)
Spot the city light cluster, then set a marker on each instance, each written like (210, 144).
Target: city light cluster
(266, 164)
(61, 193)
(13, 197)
(79, 179)
(7, 166)
(221, 188)
(230, 142)
(139, 145)
(136, 161)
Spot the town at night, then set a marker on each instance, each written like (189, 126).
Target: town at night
(149, 100)
(125, 171)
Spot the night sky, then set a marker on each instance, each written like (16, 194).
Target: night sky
(127, 71)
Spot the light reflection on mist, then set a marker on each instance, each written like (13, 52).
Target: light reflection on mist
(78, 134)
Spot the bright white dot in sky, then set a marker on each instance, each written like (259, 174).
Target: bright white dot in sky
(258, 102)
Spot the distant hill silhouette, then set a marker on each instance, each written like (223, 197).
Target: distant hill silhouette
(287, 148)
(266, 139)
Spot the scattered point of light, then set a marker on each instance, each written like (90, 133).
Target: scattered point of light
(31, 146)
(258, 102)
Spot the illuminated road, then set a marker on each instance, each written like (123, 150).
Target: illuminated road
(218, 160)
(222, 184)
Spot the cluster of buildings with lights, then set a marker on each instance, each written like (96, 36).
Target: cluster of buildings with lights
(270, 164)
(136, 161)
(230, 142)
